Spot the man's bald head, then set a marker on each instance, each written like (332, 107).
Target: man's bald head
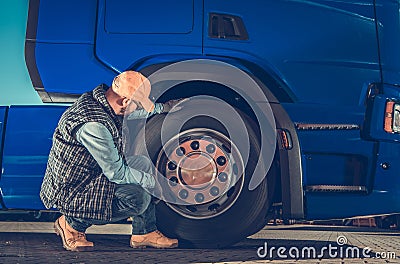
(132, 86)
(129, 82)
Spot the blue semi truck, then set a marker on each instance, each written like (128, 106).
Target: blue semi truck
(327, 70)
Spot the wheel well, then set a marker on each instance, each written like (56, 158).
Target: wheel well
(194, 88)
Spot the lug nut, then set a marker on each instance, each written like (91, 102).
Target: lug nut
(183, 194)
(173, 181)
(195, 145)
(199, 197)
(214, 191)
(223, 177)
(210, 148)
(171, 165)
(221, 160)
(180, 151)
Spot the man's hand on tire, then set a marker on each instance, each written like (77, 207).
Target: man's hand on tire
(172, 106)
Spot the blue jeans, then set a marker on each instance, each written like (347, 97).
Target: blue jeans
(130, 200)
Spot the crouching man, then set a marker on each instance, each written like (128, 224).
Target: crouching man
(87, 177)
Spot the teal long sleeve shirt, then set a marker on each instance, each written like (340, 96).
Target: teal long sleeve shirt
(100, 144)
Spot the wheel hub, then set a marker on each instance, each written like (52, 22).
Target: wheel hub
(194, 169)
(204, 171)
(197, 170)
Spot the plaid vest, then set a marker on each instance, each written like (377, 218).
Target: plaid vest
(73, 181)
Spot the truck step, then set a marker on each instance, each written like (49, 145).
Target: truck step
(336, 188)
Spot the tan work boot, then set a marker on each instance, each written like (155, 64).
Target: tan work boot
(72, 239)
(154, 239)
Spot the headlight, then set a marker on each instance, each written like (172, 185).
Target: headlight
(392, 117)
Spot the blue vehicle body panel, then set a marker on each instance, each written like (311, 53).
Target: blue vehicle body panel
(176, 17)
(28, 139)
(79, 29)
(323, 55)
(389, 39)
(61, 46)
(65, 56)
(383, 198)
(3, 113)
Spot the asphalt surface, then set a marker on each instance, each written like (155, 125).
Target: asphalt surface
(36, 242)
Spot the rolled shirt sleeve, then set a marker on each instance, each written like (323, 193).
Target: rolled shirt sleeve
(100, 144)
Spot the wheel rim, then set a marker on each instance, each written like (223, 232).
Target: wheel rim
(205, 172)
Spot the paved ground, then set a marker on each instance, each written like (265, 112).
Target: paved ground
(35, 242)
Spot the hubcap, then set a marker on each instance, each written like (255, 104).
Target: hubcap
(205, 171)
(197, 170)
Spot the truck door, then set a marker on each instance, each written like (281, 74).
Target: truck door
(27, 142)
(129, 31)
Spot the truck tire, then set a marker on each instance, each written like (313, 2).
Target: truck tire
(220, 222)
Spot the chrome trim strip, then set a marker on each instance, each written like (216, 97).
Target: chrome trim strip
(303, 126)
(335, 188)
